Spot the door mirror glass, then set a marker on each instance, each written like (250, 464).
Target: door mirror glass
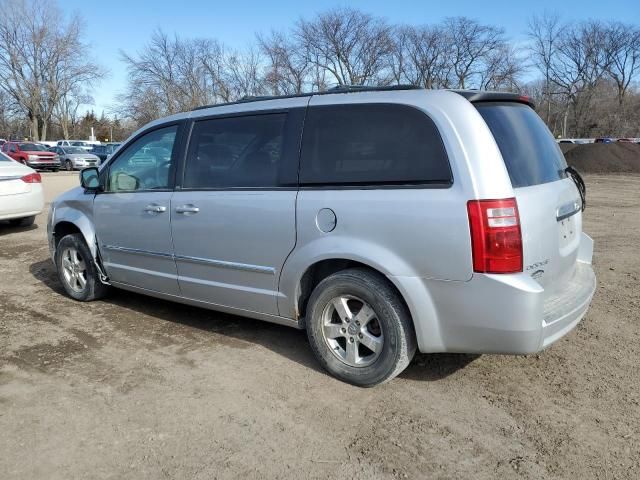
(89, 178)
(123, 182)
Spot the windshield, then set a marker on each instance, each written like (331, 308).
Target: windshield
(79, 144)
(528, 148)
(73, 150)
(5, 158)
(32, 147)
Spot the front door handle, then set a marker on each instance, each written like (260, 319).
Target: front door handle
(188, 209)
(153, 208)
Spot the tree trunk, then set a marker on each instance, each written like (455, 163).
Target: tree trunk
(34, 128)
(43, 136)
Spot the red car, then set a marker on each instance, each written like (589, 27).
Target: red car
(32, 154)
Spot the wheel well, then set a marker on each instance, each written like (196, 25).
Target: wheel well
(321, 270)
(63, 229)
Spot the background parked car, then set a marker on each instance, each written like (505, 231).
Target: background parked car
(33, 155)
(75, 158)
(105, 150)
(603, 140)
(75, 143)
(21, 197)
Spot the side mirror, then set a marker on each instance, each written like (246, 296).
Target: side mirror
(90, 179)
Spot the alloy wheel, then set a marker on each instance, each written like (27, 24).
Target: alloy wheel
(351, 329)
(74, 269)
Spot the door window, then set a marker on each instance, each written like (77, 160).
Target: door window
(236, 152)
(147, 164)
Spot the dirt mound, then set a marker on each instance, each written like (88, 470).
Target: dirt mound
(603, 157)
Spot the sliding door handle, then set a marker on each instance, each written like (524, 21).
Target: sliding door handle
(153, 208)
(188, 209)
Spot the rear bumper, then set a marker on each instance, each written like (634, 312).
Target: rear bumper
(22, 205)
(510, 314)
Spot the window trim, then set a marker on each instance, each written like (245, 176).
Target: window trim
(291, 149)
(383, 185)
(176, 154)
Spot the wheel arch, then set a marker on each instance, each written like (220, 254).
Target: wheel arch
(68, 221)
(302, 272)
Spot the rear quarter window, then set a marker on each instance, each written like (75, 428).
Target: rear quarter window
(372, 144)
(529, 151)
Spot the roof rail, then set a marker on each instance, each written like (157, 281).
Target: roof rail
(332, 90)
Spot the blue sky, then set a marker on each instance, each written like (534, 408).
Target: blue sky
(127, 25)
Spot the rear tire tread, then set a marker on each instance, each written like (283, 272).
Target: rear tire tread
(398, 318)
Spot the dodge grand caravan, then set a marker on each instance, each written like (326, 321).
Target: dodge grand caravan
(380, 220)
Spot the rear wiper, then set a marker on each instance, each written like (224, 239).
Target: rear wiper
(577, 179)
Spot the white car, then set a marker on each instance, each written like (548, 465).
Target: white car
(84, 144)
(21, 197)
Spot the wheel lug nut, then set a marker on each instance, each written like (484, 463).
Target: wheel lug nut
(357, 323)
(351, 339)
(343, 330)
(347, 320)
(359, 335)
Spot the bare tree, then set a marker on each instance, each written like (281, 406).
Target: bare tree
(420, 56)
(544, 33)
(289, 68)
(622, 46)
(502, 69)
(579, 65)
(243, 74)
(471, 43)
(43, 58)
(351, 45)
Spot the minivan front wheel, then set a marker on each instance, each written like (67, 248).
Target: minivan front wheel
(359, 328)
(76, 270)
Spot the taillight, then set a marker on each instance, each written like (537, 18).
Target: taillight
(32, 178)
(496, 240)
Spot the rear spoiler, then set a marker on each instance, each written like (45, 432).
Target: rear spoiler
(478, 96)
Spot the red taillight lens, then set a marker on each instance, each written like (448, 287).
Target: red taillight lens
(496, 239)
(32, 178)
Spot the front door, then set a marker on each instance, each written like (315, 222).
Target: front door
(233, 219)
(132, 215)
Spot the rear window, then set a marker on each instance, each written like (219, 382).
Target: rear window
(372, 144)
(528, 148)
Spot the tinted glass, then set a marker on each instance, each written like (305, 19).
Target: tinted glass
(236, 152)
(75, 150)
(4, 158)
(32, 147)
(528, 148)
(146, 164)
(372, 144)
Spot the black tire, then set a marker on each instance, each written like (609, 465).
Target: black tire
(22, 222)
(394, 321)
(68, 166)
(93, 289)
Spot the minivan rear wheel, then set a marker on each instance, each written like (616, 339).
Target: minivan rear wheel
(359, 328)
(76, 270)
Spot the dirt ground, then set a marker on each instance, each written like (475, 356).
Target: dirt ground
(133, 387)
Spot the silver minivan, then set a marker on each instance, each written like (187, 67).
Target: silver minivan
(381, 220)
